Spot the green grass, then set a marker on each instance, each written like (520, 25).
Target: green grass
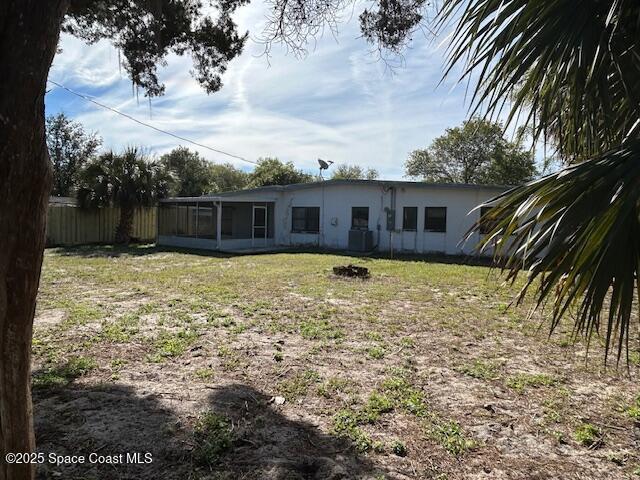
(169, 345)
(450, 436)
(212, 437)
(298, 385)
(587, 434)
(320, 330)
(393, 351)
(61, 375)
(346, 424)
(376, 352)
(481, 369)
(333, 386)
(523, 381)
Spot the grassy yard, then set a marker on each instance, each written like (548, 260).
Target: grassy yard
(422, 371)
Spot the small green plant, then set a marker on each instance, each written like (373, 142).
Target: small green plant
(345, 424)
(79, 313)
(634, 410)
(121, 330)
(378, 446)
(118, 363)
(587, 434)
(481, 370)
(450, 436)
(399, 448)
(278, 357)
(64, 374)
(320, 330)
(170, 345)
(332, 386)
(212, 437)
(230, 359)
(376, 352)
(376, 405)
(408, 342)
(522, 381)
(298, 385)
(375, 336)
(205, 374)
(405, 396)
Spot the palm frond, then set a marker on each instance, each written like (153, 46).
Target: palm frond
(577, 235)
(574, 65)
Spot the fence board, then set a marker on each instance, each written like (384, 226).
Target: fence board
(69, 225)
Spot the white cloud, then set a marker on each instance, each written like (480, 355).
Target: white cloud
(338, 103)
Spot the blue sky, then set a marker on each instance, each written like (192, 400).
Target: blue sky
(338, 103)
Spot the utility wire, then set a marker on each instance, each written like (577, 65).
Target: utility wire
(89, 99)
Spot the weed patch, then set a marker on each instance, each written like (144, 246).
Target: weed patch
(212, 437)
(62, 375)
(298, 386)
(522, 381)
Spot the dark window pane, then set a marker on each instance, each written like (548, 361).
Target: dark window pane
(227, 221)
(305, 219)
(410, 218)
(259, 216)
(435, 219)
(360, 218)
(313, 219)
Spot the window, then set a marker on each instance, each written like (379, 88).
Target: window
(487, 225)
(360, 218)
(305, 219)
(435, 219)
(410, 218)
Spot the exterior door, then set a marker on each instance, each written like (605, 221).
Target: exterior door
(259, 230)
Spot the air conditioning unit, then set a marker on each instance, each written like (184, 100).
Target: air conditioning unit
(360, 240)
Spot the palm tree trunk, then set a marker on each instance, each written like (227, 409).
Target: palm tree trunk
(125, 226)
(29, 31)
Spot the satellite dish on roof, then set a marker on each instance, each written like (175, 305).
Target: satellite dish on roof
(324, 165)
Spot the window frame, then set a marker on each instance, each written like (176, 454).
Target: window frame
(426, 217)
(353, 217)
(306, 228)
(404, 219)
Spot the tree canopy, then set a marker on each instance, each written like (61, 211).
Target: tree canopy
(146, 32)
(191, 173)
(271, 171)
(128, 180)
(227, 178)
(70, 147)
(353, 172)
(476, 152)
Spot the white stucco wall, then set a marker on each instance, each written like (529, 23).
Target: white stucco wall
(336, 201)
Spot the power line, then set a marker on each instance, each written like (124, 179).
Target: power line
(89, 99)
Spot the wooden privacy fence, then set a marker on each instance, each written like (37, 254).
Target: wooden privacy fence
(71, 225)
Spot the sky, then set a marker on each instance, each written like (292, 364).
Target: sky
(339, 103)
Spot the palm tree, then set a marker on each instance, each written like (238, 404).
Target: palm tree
(572, 70)
(126, 181)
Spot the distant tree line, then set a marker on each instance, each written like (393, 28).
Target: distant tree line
(476, 152)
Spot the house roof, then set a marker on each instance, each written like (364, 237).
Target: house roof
(325, 183)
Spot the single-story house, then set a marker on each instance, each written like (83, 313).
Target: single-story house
(355, 215)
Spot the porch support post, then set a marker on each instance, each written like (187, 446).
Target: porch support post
(219, 225)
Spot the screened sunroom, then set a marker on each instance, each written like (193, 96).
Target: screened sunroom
(215, 223)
